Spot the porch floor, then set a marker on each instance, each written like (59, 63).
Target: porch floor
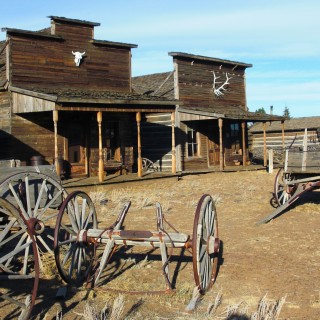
(79, 182)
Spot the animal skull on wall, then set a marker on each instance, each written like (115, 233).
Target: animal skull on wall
(77, 57)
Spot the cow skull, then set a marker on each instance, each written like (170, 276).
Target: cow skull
(77, 57)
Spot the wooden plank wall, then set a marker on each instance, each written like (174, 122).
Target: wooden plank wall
(33, 134)
(49, 63)
(2, 61)
(22, 103)
(5, 126)
(196, 82)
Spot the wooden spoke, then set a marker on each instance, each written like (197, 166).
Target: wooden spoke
(74, 256)
(205, 234)
(19, 265)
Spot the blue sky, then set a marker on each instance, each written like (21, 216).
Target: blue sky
(280, 39)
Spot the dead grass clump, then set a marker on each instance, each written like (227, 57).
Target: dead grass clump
(268, 309)
(91, 312)
(47, 264)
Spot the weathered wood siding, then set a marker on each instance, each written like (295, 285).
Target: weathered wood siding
(5, 126)
(2, 62)
(32, 135)
(195, 79)
(22, 104)
(49, 62)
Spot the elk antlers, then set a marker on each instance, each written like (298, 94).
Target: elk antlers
(219, 91)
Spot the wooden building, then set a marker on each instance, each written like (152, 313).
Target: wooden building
(277, 136)
(211, 123)
(67, 97)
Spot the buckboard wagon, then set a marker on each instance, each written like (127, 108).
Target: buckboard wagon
(37, 215)
(299, 174)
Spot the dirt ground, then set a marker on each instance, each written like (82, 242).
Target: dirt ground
(280, 259)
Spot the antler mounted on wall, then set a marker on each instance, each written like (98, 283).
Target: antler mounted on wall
(220, 90)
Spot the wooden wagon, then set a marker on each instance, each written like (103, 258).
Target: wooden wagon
(37, 215)
(299, 174)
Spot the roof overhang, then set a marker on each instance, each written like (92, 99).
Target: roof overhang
(194, 113)
(35, 101)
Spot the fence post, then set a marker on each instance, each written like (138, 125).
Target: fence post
(270, 167)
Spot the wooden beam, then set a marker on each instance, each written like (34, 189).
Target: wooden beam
(282, 126)
(244, 149)
(138, 119)
(56, 153)
(115, 108)
(220, 122)
(101, 166)
(264, 144)
(174, 161)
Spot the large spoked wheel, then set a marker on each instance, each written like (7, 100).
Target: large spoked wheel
(19, 264)
(74, 252)
(38, 198)
(283, 187)
(205, 244)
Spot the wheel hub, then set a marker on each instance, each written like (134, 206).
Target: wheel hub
(36, 226)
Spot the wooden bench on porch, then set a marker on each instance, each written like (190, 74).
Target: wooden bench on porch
(115, 166)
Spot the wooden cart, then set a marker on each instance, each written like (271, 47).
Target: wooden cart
(299, 174)
(77, 235)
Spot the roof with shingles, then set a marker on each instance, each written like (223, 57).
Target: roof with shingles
(157, 84)
(76, 95)
(290, 124)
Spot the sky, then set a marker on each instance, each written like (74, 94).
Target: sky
(280, 38)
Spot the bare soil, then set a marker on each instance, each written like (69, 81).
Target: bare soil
(278, 259)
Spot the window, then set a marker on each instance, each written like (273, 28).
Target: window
(192, 143)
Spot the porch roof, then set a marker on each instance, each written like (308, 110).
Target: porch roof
(231, 112)
(80, 99)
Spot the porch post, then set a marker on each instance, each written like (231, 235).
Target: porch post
(56, 154)
(101, 166)
(244, 150)
(138, 119)
(220, 123)
(264, 144)
(174, 168)
(282, 125)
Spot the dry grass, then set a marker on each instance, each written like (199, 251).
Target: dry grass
(266, 310)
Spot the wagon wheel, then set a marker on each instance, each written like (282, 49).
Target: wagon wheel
(205, 244)
(283, 189)
(37, 197)
(74, 253)
(19, 264)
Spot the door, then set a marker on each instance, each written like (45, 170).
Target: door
(213, 152)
